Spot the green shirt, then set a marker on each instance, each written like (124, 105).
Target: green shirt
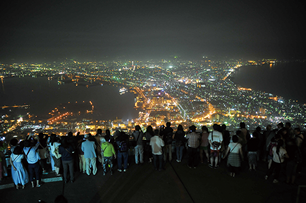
(108, 149)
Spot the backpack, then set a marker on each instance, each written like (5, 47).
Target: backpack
(123, 147)
(215, 144)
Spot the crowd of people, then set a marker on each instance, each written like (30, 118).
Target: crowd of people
(282, 149)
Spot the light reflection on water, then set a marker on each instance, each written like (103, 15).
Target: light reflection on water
(44, 95)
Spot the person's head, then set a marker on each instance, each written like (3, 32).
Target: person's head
(288, 125)
(107, 137)
(242, 125)
(216, 127)
(41, 136)
(18, 150)
(168, 124)
(149, 129)
(258, 129)
(27, 143)
(70, 134)
(64, 142)
(223, 127)
(99, 131)
(280, 125)
(204, 129)
(13, 142)
(192, 128)
(235, 138)
(297, 131)
(269, 127)
(156, 132)
(107, 132)
(137, 127)
(86, 136)
(180, 128)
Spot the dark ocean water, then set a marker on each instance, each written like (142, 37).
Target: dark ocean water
(43, 95)
(283, 79)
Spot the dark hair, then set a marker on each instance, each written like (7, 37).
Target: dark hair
(41, 136)
(280, 143)
(149, 129)
(193, 128)
(168, 124)
(18, 150)
(242, 125)
(13, 142)
(27, 143)
(297, 129)
(52, 138)
(235, 138)
(204, 128)
(107, 132)
(216, 127)
(223, 127)
(156, 132)
(64, 142)
(258, 129)
(180, 127)
(288, 124)
(99, 131)
(137, 127)
(281, 125)
(70, 134)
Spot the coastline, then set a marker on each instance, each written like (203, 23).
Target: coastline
(286, 80)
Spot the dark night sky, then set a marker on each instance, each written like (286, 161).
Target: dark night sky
(90, 30)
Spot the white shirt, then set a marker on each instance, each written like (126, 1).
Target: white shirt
(157, 143)
(217, 137)
(234, 147)
(279, 155)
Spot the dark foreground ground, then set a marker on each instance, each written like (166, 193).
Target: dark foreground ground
(177, 183)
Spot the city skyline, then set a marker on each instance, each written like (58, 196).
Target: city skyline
(46, 31)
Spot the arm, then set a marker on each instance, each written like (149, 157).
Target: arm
(11, 162)
(241, 153)
(113, 150)
(226, 152)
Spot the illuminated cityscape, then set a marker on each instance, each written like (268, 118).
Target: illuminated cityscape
(183, 92)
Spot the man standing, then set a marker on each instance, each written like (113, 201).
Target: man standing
(108, 154)
(138, 136)
(157, 143)
(89, 149)
(215, 140)
(193, 141)
(168, 135)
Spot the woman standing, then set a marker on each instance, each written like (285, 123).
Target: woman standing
(54, 143)
(279, 153)
(147, 147)
(19, 174)
(179, 138)
(235, 151)
(67, 151)
(204, 144)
